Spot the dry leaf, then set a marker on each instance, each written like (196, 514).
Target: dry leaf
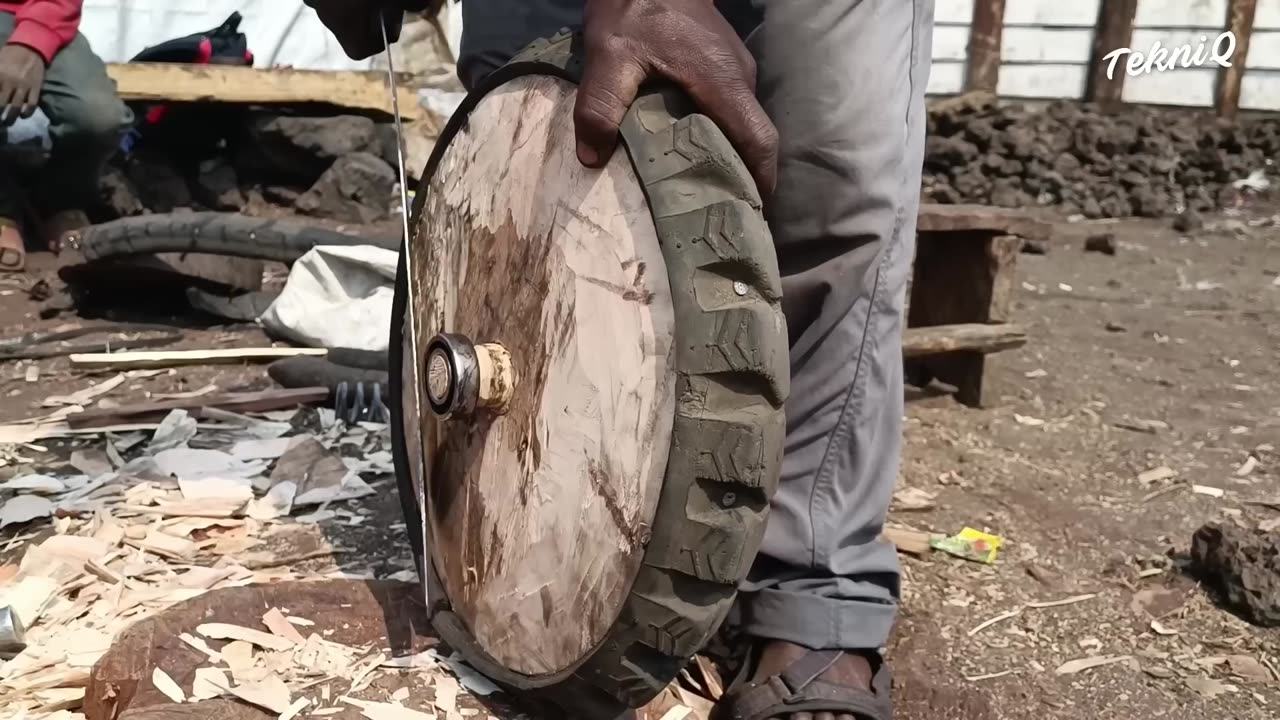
(1207, 687)
(913, 499)
(166, 685)
(1248, 668)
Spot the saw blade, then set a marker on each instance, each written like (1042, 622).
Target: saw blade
(420, 461)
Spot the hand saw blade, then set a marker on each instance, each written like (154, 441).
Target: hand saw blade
(418, 462)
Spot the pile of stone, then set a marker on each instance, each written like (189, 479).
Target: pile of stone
(1078, 158)
(341, 168)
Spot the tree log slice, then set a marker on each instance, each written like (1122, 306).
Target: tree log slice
(537, 510)
(586, 540)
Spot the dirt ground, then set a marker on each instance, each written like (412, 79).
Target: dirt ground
(1163, 355)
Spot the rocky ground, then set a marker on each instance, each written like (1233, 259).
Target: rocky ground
(1144, 406)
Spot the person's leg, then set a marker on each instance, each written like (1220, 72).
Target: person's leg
(13, 254)
(87, 119)
(844, 82)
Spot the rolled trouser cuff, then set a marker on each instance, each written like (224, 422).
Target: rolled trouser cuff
(813, 621)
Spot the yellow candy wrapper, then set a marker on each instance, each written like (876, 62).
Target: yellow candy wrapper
(970, 544)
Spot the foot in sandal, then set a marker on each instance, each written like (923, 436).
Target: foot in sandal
(791, 682)
(13, 250)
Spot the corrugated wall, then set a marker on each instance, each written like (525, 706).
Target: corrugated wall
(1046, 47)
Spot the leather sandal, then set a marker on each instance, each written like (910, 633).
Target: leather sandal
(798, 690)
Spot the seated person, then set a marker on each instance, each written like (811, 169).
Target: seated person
(45, 62)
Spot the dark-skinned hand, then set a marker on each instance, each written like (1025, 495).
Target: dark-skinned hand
(21, 79)
(685, 42)
(355, 22)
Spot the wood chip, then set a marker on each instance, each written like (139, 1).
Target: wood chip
(1155, 475)
(1248, 467)
(209, 683)
(200, 646)
(679, 712)
(1072, 667)
(166, 546)
(386, 711)
(913, 500)
(270, 693)
(446, 699)
(1160, 628)
(292, 711)
(227, 631)
(1207, 490)
(86, 396)
(166, 685)
(279, 625)
(715, 686)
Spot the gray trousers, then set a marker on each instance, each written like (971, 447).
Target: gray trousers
(844, 82)
(87, 119)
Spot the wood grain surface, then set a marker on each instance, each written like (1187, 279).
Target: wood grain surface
(538, 517)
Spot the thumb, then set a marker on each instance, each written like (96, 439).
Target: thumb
(610, 84)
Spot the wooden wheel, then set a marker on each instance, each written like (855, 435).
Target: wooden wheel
(592, 426)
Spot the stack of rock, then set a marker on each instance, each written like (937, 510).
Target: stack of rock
(1134, 161)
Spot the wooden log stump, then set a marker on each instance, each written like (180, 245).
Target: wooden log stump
(355, 613)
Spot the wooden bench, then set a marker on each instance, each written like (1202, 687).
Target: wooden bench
(961, 291)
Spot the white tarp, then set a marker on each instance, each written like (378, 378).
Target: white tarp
(337, 296)
(280, 32)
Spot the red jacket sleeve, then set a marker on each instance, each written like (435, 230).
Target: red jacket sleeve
(46, 26)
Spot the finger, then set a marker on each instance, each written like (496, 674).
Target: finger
(10, 114)
(31, 102)
(611, 79)
(726, 97)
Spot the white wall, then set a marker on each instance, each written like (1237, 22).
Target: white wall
(1046, 46)
(280, 32)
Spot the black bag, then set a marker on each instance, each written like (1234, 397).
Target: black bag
(192, 129)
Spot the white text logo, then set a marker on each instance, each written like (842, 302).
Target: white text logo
(1218, 52)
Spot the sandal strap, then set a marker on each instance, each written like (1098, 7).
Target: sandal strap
(798, 690)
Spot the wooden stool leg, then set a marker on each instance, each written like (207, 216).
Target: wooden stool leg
(961, 277)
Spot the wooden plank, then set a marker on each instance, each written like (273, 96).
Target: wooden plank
(985, 33)
(976, 337)
(183, 358)
(1240, 17)
(936, 218)
(175, 82)
(1113, 31)
(264, 401)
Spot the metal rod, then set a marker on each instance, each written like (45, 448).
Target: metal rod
(414, 357)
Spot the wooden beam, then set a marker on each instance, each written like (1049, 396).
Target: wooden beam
(1240, 15)
(134, 360)
(1114, 30)
(972, 337)
(982, 71)
(175, 82)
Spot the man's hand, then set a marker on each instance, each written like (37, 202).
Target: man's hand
(21, 79)
(687, 42)
(355, 23)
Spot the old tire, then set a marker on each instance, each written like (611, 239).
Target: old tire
(727, 436)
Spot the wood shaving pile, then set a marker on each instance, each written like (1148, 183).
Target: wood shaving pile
(126, 540)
